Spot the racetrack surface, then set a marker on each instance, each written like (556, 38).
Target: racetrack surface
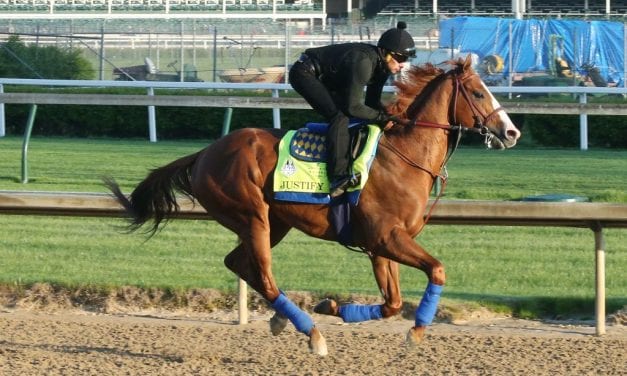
(75, 342)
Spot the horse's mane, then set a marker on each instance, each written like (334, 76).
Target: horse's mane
(414, 82)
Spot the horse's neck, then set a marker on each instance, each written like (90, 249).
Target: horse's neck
(428, 146)
(435, 109)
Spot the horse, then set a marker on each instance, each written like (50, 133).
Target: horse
(232, 179)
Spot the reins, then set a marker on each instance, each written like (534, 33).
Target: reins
(480, 119)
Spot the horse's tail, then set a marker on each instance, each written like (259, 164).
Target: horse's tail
(155, 197)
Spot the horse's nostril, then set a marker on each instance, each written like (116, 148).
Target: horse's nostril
(512, 134)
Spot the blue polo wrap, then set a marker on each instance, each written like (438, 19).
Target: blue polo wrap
(287, 308)
(359, 313)
(428, 305)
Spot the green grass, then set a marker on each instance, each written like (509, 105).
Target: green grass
(531, 271)
(78, 164)
(65, 164)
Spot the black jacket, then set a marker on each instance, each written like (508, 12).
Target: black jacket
(345, 69)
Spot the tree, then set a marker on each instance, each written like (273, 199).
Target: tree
(17, 60)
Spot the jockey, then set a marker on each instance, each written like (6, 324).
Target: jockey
(332, 80)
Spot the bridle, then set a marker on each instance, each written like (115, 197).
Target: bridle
(479, 127)
(480, 118)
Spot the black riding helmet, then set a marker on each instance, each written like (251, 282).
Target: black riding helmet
(398, 41)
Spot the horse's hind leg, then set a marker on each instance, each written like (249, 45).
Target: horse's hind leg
(251, 260)
(387, 275)
(240, 263)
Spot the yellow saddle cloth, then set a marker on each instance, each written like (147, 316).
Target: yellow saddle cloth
(301, 171)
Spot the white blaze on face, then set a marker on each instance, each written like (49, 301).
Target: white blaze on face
(510, 132)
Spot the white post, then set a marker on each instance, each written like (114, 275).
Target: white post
(510, 60)
(607, 7)
(599, 302)
(2, 120)
(152, 126)
(583, 124)
(276, 112)
(242, 301)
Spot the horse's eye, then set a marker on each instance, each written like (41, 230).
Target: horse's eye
(477, 94)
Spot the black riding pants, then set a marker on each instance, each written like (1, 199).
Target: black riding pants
(303, 79)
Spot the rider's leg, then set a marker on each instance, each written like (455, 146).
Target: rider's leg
(317, 95)
(338, 161)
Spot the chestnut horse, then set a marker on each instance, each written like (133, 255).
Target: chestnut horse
(233, 180)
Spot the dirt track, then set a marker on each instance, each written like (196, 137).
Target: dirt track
(71, 342)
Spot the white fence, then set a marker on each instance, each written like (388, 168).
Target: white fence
(275, 102)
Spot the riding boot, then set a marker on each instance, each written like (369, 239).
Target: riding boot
(340, 184)
(338, 161)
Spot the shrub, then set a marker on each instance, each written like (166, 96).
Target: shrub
(20, 61)
(554, 130)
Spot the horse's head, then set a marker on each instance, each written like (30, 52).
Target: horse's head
(473, 106)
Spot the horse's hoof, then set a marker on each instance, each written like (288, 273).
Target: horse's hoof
(317, 343)
(277, 324)
(326, 307)
(415, 335)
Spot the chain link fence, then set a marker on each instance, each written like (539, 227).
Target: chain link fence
(207, 50)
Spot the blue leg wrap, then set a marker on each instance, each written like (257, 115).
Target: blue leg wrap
(428, 305)
(359, 313)
(287, 308)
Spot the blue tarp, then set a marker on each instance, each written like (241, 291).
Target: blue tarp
(535, 42)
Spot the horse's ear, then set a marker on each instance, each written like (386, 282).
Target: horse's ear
(468, 62)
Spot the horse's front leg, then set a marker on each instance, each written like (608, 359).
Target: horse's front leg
(401, 247)
(386, 273)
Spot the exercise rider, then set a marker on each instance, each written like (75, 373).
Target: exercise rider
(332, 80)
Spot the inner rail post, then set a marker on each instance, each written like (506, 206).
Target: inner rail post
(26, 141)
(599, 302)
(242, 290)
(152, 122)
(276, 112)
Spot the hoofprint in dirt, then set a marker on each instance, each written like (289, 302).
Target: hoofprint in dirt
(75, 342)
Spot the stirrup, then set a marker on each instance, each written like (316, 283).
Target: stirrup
(339, 187)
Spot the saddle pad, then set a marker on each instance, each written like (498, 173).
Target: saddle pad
(298, 180)
(309, 143)
(308, 146)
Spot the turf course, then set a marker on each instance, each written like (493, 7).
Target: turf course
(530, 271)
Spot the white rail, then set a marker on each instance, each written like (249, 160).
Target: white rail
(583, 109)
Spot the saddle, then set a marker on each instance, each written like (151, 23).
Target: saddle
(309, 143)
